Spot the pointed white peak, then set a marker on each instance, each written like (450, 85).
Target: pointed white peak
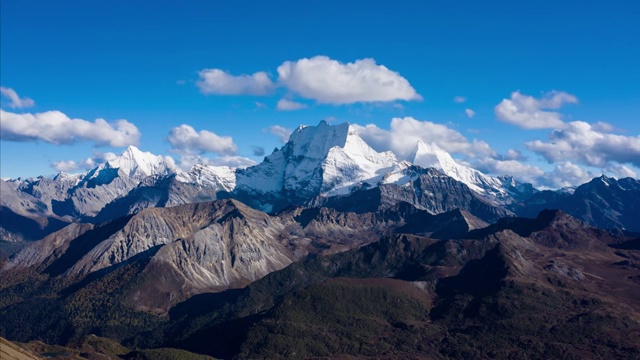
(216, 177)
(323, 159)
(72, 179)
(431, 155)
(136, 163)
(315, 142)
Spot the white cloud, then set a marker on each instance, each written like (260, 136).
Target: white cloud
(65, 166)
(470, 113)
(513, 154)
(513, 167)
(581, 142)
(331, 82)
(567, 174)
(404, 133)
(281, 132)
(288, 105)
(528, 112)
(184, 139)
(216, 81)
(188, 160)
(55, 127)
(233, 161)
(459, 99)
(97, 159)
(16, 101)
(621, 171)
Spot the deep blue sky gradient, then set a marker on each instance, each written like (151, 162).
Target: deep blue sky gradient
(125, 59)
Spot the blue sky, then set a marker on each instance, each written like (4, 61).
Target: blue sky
(142, 61)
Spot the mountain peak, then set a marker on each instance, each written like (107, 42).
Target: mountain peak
(431, 155)
(318, 160)
(135, 163)
(132, 151)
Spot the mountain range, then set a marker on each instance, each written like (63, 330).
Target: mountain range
(327, 248)
(321, 165)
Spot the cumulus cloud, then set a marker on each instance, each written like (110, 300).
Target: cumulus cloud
(513, 154)
(581, 142)
(621, 171)
(65, 166)
(188, 160)
(331, 82)
(470, 113)
(281, 132)
(97, 159)
(567, 174)
(459, 99)
(288, 105)
(523, 172)
(216, 81)
(404, 133)
(528, 112)
(54, 127)
(184, 139)
(16, 101)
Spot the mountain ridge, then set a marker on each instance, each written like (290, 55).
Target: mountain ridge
(323, 165)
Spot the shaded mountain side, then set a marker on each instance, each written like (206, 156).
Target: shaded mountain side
(156, 192)
(543, 200)
(59, 311)
(502, 296)
(431, 191)
(15, 227)
(385, 319)
(553, 228)
(603, 202)
(554, 289)
(219, 245)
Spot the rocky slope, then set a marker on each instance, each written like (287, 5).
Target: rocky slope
(554, 283)
(426, 189)
(603, 202)
(320, 161)
(214, 246)
(501, 296)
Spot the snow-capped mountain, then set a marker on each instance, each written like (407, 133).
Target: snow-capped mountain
(323, 165)
(220, 178)
(501, 190)
(321, 160)
(84, 195)
(137, 164)
(317, 161)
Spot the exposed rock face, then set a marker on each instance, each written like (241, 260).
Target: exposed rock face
(603, 202)
(318, 160)
(321, 165)
(503, 288)
(426, 189)
(214, 246)
(549, 280)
